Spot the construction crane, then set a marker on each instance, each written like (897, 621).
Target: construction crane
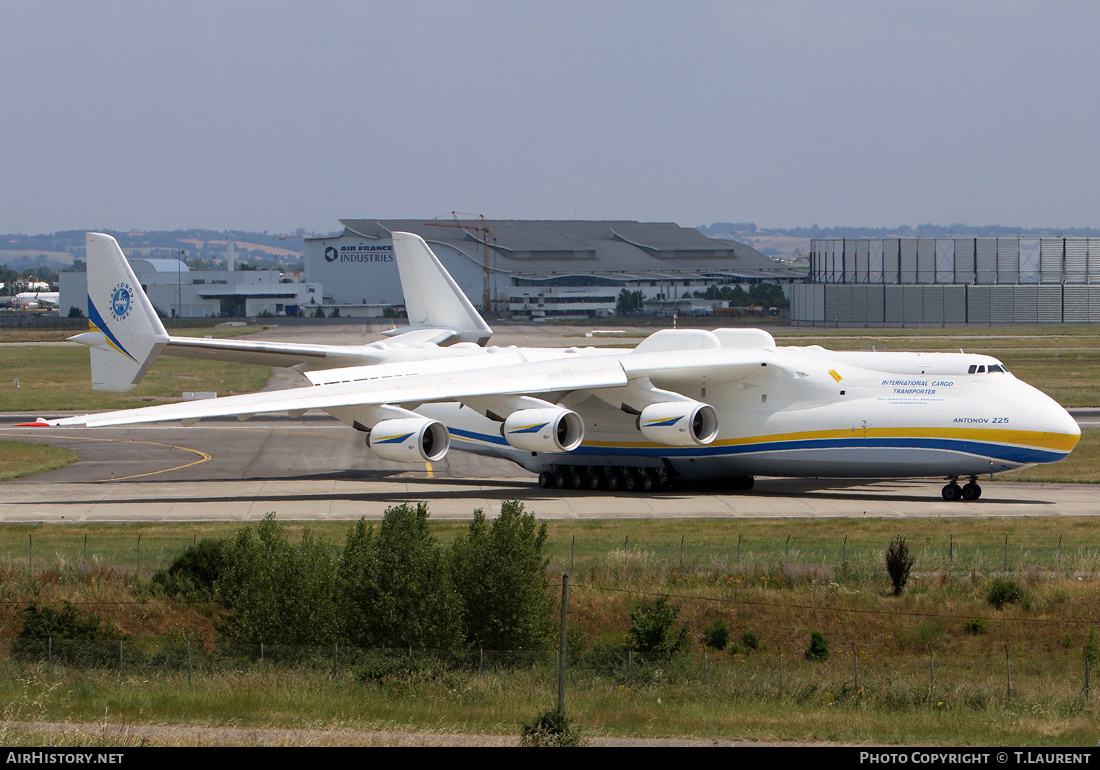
(487, 233)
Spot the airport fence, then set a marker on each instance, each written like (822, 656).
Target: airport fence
(936, 679)
(36, 549)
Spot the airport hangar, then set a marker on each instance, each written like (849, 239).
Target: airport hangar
(949, 282)
(539, 268)
(177, 291)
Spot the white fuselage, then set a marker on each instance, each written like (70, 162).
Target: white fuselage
(799, 412)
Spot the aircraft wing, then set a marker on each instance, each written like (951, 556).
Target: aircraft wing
(554, 376)
(303, 357)
(519, 379)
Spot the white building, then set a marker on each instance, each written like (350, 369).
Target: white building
(177, 291)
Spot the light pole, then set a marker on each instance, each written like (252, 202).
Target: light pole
(179, 282)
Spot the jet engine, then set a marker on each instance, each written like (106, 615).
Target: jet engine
(679, 423)
(544, 430)
(410, 440)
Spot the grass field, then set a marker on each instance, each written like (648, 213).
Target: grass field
(59, 378)
(18, 459)
(923, 678)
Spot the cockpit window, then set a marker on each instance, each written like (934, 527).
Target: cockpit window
(980, 368)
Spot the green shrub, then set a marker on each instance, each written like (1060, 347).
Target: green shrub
(1002, 591)
(749, 641)
(550, 729)
(716, 636)
(66, 623)
(898, 564)
(65, 636)
(819, 648)
(653, 628)
(1092, 647)
(975, 626)
(195, 572)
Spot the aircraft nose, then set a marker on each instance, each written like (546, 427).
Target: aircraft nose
(1064, 423)
(1057, 421)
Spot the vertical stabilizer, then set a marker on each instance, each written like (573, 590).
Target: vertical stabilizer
(432, 298)
(126, 335)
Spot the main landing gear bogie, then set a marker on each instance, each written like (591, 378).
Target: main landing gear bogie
(621, 479)
(970, 492)
(645, 480)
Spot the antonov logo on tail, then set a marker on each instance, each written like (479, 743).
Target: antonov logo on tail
(121, 300)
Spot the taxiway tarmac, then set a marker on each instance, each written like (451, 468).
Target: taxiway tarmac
(317, 469)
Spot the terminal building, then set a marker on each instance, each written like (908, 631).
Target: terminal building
(538, 268)
(950, 281)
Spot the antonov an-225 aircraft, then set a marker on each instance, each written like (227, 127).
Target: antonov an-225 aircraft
(685, 404)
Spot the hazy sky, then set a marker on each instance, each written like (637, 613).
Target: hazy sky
(276, 115)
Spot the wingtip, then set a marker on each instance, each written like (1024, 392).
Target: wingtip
(39, 423)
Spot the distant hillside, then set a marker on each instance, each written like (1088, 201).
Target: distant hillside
(59, 250)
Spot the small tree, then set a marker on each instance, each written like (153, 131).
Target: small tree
(653, 628)
(277, 591)
(898, 563)
(819, 648)
(629, 301)
(717, 635)
(499, 570)
(395, 584)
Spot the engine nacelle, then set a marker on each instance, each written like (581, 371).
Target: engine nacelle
(679, 423)
(410, 440)
(544, 430)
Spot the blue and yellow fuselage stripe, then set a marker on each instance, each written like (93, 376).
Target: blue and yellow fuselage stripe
(1014, 446)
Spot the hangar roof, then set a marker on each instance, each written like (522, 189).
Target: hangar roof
(164, 265)
(554, 247)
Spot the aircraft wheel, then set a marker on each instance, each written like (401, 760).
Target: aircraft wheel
(745, 483)
(649, 482)
(615, 481)
(971, 491)
(631, 482)
(580, 478)
(595, 480)
(546, 480)
(561, 478)
(952, 492)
